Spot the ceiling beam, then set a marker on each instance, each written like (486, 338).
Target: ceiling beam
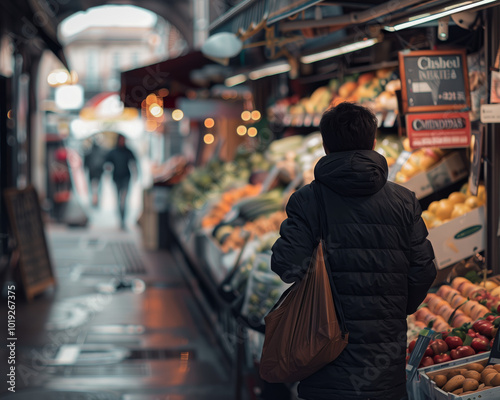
(352, 18)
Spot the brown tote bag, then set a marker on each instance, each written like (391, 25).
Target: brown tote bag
(304, 330)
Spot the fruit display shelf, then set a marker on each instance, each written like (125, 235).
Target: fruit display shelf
(432, 388)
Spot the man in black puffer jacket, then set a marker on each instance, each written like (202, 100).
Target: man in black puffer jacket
(381, 262)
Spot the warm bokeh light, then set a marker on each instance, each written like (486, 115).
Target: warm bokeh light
(208, 138)
(177, 115)
(151, 98)
(151, 125)
(62, 77)
(252, 132)
(74, 77)
(59, 77)
(209, 123)
(9, 114)
(241, 130)
(52, 79)
(256, 115)
(163, 92)
(245, 115)
(155, 110)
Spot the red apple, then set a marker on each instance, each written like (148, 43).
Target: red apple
(479, 323)
(453, 342)
(465, 351)
(439, 346)
(480, 344)
(486, 329)
(472, 333)
(426, 361)
(441, 358)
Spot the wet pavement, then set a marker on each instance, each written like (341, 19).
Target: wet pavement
(121, 323)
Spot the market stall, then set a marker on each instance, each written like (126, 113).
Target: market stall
(428, 95)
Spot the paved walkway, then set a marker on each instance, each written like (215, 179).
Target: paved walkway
(120, 324)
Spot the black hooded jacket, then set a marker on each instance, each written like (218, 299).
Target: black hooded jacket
(382, 266)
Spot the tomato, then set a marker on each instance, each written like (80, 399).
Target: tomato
(439, 346)
(441, 358)
(472, 333)
(486, 329)
(412, 344)
(426, 361)
(428, 352)
(490, 318)
(476, 326)
(479, 322)
(465, 351)
(480, 344)
(453, 342)
(445, 334)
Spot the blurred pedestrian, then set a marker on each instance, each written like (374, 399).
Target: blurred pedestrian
(93, 162)
(124, 167)
(376, 243)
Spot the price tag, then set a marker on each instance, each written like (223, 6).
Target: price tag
(490, 113)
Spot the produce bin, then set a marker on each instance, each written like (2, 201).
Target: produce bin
(210, 251)
(432, 392)
(449, 170)
(459, 238)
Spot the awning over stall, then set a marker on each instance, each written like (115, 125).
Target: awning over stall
(173, 75)
(249, 14)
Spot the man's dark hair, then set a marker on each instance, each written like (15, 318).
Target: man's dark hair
(348, 126)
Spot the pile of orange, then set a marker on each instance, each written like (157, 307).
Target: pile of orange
(457, 204)
(227, 200)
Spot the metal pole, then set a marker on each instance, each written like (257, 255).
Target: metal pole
(201, 20)
(492, 151)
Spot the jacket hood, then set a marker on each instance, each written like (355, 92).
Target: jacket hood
(353, 173)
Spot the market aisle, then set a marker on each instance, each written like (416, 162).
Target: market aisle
(122, 324)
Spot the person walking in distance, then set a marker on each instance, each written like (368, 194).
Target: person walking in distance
(124, 163)
(381, 261)
(93, 162)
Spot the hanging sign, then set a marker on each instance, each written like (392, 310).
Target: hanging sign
(434, 80)
(445, 130)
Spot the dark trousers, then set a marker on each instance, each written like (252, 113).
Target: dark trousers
(122, 186)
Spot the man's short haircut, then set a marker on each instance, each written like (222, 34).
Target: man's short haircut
(348, 126)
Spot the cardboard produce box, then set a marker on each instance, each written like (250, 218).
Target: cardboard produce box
(449, 170)
(432, 392)
(459, 238)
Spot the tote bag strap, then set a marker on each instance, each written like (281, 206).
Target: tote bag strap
(323, 229)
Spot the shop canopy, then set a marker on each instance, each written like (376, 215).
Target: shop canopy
(173, 75)
(250, 16)
(252, 13)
